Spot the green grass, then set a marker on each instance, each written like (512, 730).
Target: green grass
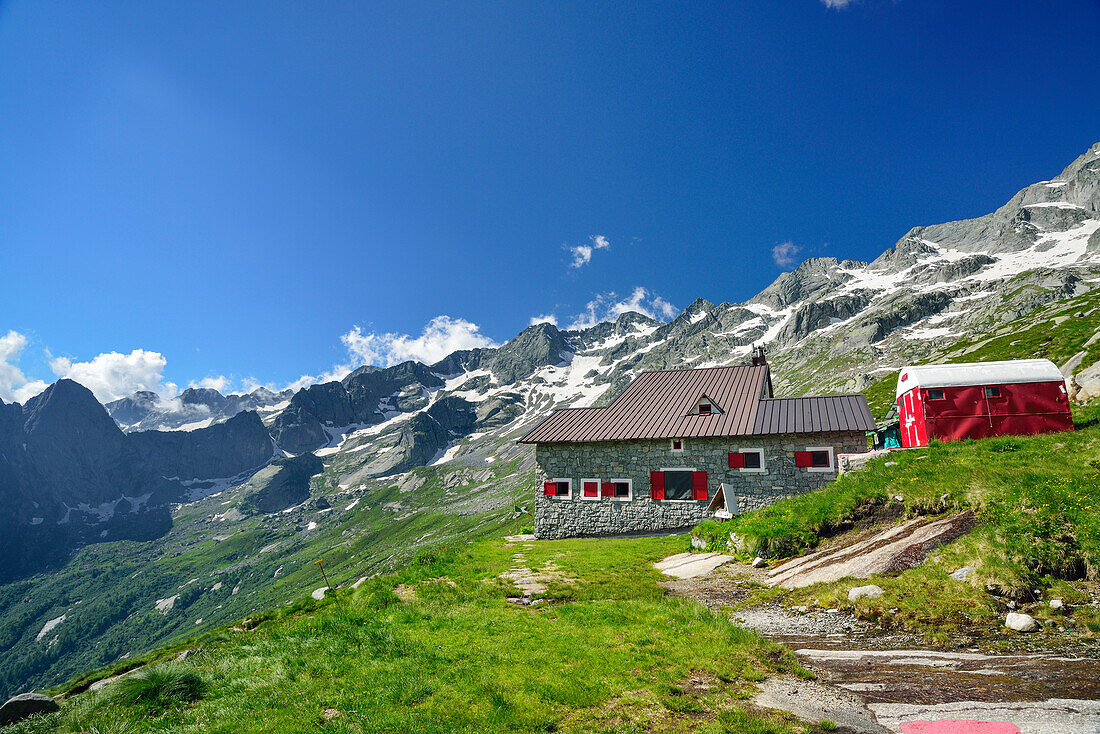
(1038, 509)
(159, 688)
(605, 650)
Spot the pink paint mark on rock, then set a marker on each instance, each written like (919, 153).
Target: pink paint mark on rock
(959, 726)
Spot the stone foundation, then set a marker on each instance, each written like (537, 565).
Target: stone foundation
(634, 460)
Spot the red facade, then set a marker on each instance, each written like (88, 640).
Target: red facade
(952, 413)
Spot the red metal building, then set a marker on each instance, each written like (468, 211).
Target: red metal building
(950, 402)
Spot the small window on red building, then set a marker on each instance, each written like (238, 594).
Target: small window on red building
(935, 395)
(993, 392)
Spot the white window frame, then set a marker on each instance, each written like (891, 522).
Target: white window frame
(680, 468)
(629, 492)
(763, 462)
(599, 488)
(565, 498)
(672, 445)
(831, 469)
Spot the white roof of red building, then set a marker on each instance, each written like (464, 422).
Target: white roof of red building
(977, 373)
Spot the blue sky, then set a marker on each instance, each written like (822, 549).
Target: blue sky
(262, 191)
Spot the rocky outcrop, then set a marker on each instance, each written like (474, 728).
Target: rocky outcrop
(222, 450)
(282, 484)
(534, 347)
(819, 314)
(889, 551)
(812, 279)
(456, 415)
(367, 396)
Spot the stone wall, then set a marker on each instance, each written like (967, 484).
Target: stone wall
(745, 490)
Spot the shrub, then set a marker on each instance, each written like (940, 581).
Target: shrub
(160, 688)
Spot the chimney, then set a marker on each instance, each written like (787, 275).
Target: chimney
(758, 356)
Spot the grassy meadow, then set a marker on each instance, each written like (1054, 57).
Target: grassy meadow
(605, 650)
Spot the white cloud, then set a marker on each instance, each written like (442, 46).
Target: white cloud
(219, 383)
(14, 385)
(838, 4)
(548, 318)
(582, 254)
(440, 337)
(606, 307)
(785, 254)
(113, 375)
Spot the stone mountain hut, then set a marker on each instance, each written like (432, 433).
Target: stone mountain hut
(657, 457)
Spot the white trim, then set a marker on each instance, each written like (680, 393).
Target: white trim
(763, 468)
(831, 469)
(562, 498)
(679, 468)
(580, 494)
(629, 492)
(672, 446)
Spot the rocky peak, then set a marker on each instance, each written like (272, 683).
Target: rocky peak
(204, 396)
(536, 346)
(812, 279)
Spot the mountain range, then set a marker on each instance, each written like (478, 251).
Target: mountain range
(163, 517)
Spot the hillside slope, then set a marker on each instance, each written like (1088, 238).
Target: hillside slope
(414, 455)
(603, 648)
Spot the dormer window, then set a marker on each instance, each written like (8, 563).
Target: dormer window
(704, 406)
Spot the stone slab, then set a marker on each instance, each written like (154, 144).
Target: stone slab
(691, 565)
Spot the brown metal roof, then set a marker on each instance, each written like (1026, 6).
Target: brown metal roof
(660, 405)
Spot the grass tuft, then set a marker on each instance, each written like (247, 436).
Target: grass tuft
(160, 688)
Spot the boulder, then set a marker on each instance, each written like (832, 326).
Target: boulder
(871, 591)
(1021, 622)
(1057, 604)
(759, 562)
(963, 574)
(319, 594)
(25, 705)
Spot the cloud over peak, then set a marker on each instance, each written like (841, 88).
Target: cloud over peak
(582, 254)
(114, 375)
(14, 385)
(785, 254)
(609, 307)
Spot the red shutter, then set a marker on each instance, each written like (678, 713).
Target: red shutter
(549, 489)
(607, 489)
(591, 489)
(657, 485)
(699, 485)
(803, 459)
(737, 461)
